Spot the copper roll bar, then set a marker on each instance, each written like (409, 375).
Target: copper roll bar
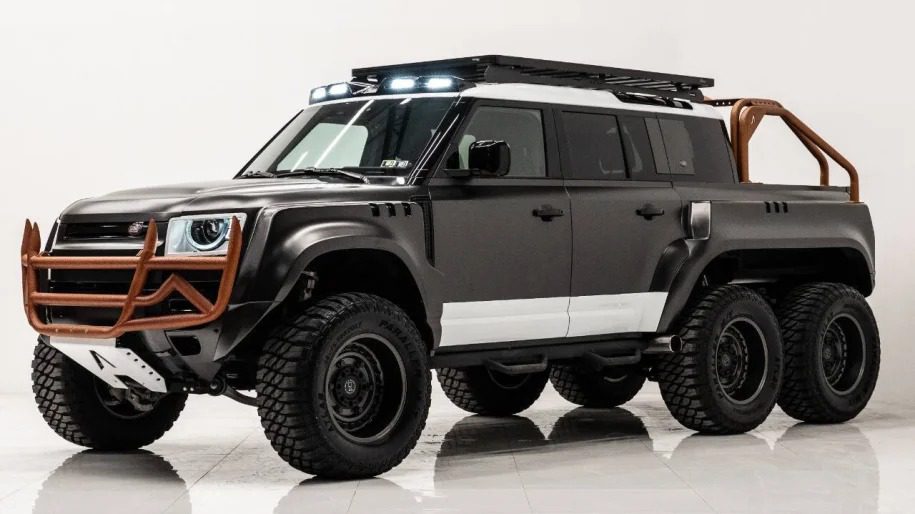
(146, 260)
(748, 113)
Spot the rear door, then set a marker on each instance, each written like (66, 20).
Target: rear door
(624, 215)
(505, 268)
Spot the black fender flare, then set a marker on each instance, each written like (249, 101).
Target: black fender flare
(285, 240)
(684, 262)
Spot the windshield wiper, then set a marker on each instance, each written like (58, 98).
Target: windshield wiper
(257, 174)
(352, 175)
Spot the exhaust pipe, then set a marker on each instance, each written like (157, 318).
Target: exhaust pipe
(664, 344)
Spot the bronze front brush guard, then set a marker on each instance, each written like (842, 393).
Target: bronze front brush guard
(145, 261)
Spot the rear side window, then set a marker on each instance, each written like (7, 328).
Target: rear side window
(593, 143)
(637, 147)
(697, 147)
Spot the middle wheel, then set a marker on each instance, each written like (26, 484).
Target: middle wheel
(727, 377)
(480, 390)
(601, 389)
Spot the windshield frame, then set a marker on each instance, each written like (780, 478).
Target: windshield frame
(292, 132)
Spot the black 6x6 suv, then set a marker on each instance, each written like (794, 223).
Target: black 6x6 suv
(505, 221)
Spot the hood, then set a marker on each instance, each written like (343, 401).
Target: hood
(162, 202)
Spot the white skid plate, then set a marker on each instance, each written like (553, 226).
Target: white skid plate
(108, 362)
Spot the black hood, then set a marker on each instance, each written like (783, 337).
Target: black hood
(163, 202)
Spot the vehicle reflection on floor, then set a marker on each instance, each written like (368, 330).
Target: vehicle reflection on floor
(102, 482)
(622, 459)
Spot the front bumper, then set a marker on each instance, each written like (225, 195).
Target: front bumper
(34, 300)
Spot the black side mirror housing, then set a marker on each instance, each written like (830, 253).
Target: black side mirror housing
(486, 158)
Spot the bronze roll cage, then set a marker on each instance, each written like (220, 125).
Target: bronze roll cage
(748, 113)
(145, 261)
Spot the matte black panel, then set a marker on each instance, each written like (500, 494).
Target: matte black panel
(490, 246)
(739, 221)
(614, 249)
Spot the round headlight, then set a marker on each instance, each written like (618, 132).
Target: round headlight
(207, 234)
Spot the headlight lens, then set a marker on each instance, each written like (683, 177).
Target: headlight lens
(203, 234)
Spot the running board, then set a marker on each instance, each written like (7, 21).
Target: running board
(520, 357)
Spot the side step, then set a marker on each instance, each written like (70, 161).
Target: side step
(520, 358)
(599, 362)
(518, 369)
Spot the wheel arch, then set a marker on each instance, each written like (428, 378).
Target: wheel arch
(778, 267)
(286, 246)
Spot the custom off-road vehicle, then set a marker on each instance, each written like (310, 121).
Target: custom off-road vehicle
(505, 221)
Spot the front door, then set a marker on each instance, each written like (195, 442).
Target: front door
(503, 244)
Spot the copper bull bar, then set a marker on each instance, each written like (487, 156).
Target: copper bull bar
(34, 260)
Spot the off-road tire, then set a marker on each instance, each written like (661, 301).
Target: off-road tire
(478, 390)
(689, 381)
(294, 408)
(67, 397)
(805, 317)
(605, 389)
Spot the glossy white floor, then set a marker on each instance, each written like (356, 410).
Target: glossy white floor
(554, 458)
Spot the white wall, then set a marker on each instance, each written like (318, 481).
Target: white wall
(96, 96)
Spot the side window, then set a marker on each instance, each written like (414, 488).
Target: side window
(637, 147)
(522, 129)
(680, 155)
(699, 147)
(593, 143)
(713, 153)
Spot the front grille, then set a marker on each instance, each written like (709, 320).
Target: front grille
(118, 282)
(102, 231)
(86, 235)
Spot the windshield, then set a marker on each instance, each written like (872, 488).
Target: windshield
(380, 136)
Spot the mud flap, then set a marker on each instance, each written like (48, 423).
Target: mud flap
(105, 360)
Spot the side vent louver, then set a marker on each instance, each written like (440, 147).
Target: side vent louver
(776, 207)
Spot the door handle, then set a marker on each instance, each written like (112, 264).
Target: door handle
(548, 212)
(649, 211)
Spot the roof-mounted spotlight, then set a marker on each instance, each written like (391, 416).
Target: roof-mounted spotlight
(440, 83)
(401, 84)
(318, 94)
(338, 89)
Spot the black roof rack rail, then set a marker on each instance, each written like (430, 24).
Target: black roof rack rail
(507, 69)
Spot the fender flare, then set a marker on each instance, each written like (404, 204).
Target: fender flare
(689, 259)
(282, 246)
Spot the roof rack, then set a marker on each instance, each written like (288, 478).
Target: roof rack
(506, 69)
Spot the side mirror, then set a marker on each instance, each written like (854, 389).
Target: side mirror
(488, 157)
(485, 159)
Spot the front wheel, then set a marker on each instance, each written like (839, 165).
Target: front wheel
(726, 378)
(86, 411)
(343, 389)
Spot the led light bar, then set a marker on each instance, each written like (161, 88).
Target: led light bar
(438, 84)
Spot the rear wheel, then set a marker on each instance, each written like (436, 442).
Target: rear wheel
(343, 388)
(726, 378)
(832, 353)
(608, 388)
(480, 390)
(86, 411)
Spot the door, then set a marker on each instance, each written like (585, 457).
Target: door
(623, 218)
(503, 244)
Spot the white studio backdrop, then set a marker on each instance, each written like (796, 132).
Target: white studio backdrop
(99, 96)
